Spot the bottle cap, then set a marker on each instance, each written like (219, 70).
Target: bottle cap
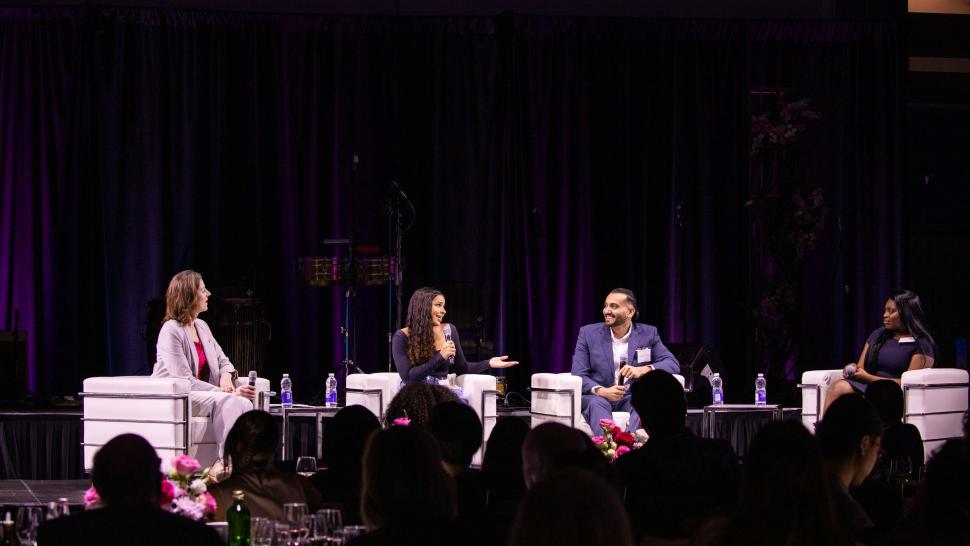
(238, 494)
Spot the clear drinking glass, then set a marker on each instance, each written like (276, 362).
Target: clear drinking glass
(306, 466)
(295, 513)
(28, 518)
(261, 531)
(331, 521)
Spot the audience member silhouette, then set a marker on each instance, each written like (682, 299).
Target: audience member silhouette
(344, 440)
(408, 498)
(553, 446)
(571, 507)
(126, 476)
(458, 431)
(415, 402)
(502, 475)
(899, 439)
(250, 449)
(785, 495)
(676, 479)
(850, 437)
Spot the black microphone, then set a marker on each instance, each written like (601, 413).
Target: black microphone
(252, 378)
(447, 332)
(397, 189)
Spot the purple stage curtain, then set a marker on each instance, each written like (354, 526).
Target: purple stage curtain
(549, 158)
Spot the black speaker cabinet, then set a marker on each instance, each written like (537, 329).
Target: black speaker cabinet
(13, 366)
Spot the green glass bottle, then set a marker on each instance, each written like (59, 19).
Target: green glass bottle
(238, 518)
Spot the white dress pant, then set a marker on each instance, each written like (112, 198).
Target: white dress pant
(223, 408)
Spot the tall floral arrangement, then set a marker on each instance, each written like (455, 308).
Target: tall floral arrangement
(183, 491)
(789, 217)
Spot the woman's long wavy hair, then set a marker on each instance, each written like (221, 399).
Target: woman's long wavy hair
(420, 332)
(914, 322)
(182, 296)
(251, 442)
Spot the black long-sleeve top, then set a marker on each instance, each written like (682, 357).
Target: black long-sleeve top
(436, 366)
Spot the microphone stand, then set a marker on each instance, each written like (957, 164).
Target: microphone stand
(399, 232)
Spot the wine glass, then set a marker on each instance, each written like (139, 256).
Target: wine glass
(295, 513)
(330, 520)
(262, 530)
(306, 466)
(28, 518)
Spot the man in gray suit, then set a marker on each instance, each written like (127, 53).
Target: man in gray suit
(611, 353)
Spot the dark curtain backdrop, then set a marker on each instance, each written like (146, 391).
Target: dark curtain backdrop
(549, 159)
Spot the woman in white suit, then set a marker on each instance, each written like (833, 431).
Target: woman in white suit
(187, 350)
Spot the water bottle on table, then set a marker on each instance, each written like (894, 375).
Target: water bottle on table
(717, 390)
(331, 391)
(286, 391)
(760, 390)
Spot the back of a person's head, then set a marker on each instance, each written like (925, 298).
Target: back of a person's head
(947, 483)
(458, 431)
(571, 507)
(346, 436)
(252, 442)
(659, 400)
(126, 471)
(845, 423)
(548, 447)
(404, 482)
(785, 495)
(502, 463)
(415, 402)
(887, 398)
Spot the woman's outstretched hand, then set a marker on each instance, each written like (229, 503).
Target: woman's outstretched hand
(501, 362)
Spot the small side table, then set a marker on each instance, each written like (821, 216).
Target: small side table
(319, 412)
(711, 413)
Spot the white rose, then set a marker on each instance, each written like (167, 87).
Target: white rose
(197, 487)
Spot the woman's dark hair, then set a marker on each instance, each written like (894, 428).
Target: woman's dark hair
(418, 323)
(846, 422)
(404, 481)
(415, 401)
(572, 507)
(251, 442)
(502, 463)
(785, 495)
(887, 398)
(630, 298)
(346, 438)
(914, 322)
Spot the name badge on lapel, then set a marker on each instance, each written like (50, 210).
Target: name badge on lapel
(643, 355)
(907, 340)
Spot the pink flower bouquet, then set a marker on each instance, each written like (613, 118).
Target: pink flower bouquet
(181, 491)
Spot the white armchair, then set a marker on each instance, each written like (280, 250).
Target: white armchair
(155, 408)
(375, 391)
(934, 400)
(558, 397)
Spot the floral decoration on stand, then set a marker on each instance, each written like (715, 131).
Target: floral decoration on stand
(615, 442)
(183, 491)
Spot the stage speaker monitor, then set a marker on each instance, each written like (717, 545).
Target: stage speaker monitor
(13, 365)
(697, 364)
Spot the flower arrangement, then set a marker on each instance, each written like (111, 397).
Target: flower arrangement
(615, 442)
(183, 492)
(776, 128)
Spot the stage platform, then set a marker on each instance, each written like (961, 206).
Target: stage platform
(45, 444)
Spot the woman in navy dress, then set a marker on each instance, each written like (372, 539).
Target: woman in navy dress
(903, 343)
(422, 352)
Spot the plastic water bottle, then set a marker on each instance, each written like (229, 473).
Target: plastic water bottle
(717, 388)
(286, 391)
(331, 391)
(760, 390)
